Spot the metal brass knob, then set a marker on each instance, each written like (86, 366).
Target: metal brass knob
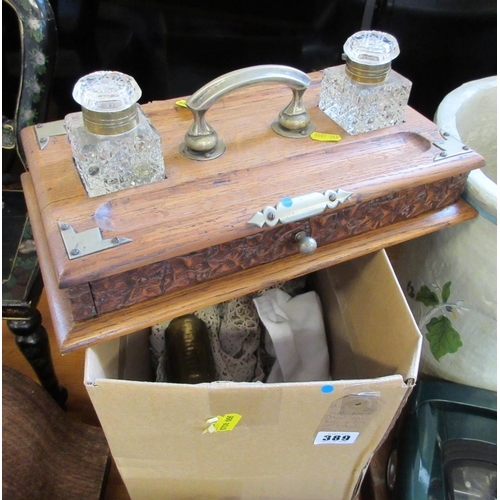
(307, 244)
(201, 141)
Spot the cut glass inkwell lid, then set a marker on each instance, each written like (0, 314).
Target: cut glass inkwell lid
(368, 56)
(108, 100)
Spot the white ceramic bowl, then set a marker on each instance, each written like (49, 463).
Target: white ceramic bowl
(469, 113)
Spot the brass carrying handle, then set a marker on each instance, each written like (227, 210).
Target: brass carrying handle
(201, 141)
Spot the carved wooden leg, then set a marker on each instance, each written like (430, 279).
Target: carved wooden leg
(33, 342)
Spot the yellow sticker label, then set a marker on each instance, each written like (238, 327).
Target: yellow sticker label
(322, 137)
(222, 423)
(181, 103)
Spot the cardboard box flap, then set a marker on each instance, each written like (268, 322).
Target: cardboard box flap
(205, 203)
(103, 363)
(367, 312)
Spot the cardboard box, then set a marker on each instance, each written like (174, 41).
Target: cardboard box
(307, 441)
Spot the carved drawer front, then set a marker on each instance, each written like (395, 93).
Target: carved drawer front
(138, 285)
(386, 210)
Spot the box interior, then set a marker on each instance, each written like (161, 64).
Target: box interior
(370, 330)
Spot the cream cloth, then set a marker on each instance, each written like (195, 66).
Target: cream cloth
(295, 336)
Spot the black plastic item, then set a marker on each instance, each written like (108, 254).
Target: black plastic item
(447, 445)
(470, 469)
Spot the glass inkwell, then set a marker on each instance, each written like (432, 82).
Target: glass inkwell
(365, 94)
(114, 144)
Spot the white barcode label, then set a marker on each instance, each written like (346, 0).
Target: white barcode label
(336, 437)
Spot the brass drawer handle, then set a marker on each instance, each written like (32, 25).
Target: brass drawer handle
(201, 141)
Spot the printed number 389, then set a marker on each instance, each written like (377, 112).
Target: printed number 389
(336, 437)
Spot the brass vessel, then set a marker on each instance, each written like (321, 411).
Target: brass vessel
(188, 353)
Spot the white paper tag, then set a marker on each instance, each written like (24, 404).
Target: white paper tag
(333, 437)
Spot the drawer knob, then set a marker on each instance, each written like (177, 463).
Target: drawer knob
(307, 244)
(201, 141)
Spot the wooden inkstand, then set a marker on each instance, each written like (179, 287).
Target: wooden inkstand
(268, 208)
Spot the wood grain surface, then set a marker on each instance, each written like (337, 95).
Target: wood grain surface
(192, 245)
(207, 203)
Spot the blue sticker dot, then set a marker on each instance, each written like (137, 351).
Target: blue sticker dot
(326, 389)
(287, 202)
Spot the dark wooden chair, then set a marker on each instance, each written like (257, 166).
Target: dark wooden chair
(21, 280)
(46, 454)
